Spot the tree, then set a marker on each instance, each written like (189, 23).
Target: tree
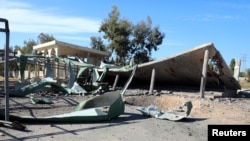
(44, 38)
(130, 42)
(117, 32)
(17, 47)
(242, 74)
(248, 74)
(232, 64)
(145, 40)
(97, 43)
(28, 46)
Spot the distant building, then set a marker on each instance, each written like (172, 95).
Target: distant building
(62, 49)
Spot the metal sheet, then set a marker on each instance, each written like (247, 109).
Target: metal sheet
(185, 69)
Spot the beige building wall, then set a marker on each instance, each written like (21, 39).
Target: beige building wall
(63, 49)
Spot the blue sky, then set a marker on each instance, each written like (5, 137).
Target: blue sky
(185, 23)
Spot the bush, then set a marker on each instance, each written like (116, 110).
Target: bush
(248, 74)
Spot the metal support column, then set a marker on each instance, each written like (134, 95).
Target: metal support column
(152, 81)
(116, 81)
(6, 67)
(204, 74)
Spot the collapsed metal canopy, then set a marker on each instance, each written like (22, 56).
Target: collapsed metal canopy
(185, 69)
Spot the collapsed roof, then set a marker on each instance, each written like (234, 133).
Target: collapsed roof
(184, 69)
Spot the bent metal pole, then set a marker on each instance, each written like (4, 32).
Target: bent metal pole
(6, 67)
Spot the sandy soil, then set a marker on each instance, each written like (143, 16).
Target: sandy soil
(131, 125)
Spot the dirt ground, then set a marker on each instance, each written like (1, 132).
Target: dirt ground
(132, 125)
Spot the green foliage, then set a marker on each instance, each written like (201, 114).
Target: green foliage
(242, 74)
(44, 38)
(130, 42)
(28, 45)
(27, 48)
(117, 32)
(232, 65)
(17, 47)
(145, 40)
(248, 74)
(97, 43)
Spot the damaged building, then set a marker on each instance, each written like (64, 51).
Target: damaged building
(183, 70)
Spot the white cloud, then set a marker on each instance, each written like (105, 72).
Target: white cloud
(22, 18)
(233, 5)
(213, 17)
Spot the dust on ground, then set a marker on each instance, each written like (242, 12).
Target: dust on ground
(212, 109)
(223, 109)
